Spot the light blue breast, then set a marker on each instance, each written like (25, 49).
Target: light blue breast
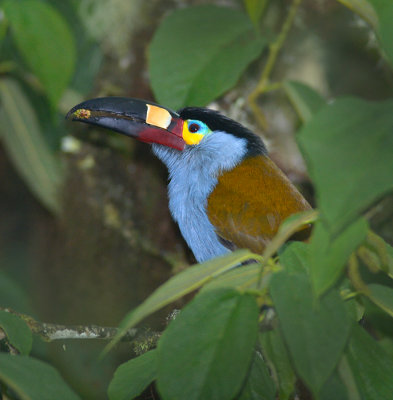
(193, 175)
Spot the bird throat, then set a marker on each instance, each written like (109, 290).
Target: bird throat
(193, 174)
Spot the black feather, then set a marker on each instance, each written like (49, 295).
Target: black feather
(218, 122)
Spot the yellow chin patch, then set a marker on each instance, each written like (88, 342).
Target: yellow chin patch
(189, 137)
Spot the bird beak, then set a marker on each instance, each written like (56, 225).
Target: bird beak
(145, 121)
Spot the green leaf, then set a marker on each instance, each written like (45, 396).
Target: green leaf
(389, 267)
(371, 366)
(334, 388)
(355, 309)
(17, 331)
(328, 256)
(387, 344)
(3, 26)
(384, 11)
(259, 384)
(13, 295)
(382, 296)
(243, 278)
(379, 14)
(348, 147)
(255, 9)
(348, 379)
(315, 331)
(132, 377)
(289, 227)
(294, 257)
(33, 379)
(206, 351)
(45, 41)
(89, 62)
(377, 318)
(274, 349)
(22, 137)
(364, 9)
(181, 284)
(305, 100)
(195, 58)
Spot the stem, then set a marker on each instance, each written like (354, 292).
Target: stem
(274, 49)
(355, 277)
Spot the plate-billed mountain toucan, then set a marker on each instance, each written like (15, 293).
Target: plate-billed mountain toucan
(224, 191)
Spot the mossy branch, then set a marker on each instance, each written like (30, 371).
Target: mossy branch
(50, 332)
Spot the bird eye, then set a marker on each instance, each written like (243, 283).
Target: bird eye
(194, 131)
(194, 127)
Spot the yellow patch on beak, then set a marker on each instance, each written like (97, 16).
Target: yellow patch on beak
(158, 116)
(189, 137)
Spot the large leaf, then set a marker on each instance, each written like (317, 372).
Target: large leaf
(3, 27)
(346, 376)
(382, 296)
(45, 42)
(13, 295)
(32, 379)
(364, 9)
(384, 11)
(274, 349)
(328, 257)
(198, 53)
(259, 384)
(206, 351)
(23, 140)
(181, 284)
(371, 365)
(379, 14)
(18, 333)
(389, 267)
(315, 331)
(324, 258)
(335, 389)
(244, 278)
(348, 147)
(255, 9)
(306, 100)
(294, 258)
(132, 377)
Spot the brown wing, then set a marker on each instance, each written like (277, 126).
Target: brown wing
(249, 203)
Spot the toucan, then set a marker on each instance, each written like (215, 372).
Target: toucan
(224, 191)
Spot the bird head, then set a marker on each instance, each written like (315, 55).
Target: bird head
(189, 129)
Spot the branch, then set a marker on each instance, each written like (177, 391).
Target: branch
(264, 81)
(50, 332)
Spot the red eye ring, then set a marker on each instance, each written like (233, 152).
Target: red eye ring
(193, 128)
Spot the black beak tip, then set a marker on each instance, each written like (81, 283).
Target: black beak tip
(83, 111)
(78, 113)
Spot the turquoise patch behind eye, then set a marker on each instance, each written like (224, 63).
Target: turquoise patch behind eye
(195, 126)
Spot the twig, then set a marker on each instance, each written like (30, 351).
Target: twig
(61, 332)
(50, 332)
(264, 82)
